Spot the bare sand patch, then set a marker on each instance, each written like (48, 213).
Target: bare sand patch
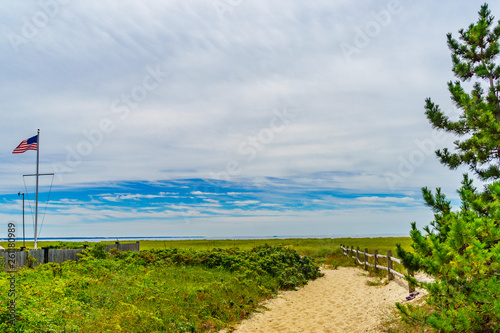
(341, 301)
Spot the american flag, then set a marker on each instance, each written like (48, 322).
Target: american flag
(30, 144)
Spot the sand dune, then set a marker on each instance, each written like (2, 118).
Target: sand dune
(339, 302)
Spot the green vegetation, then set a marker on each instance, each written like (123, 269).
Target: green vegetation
(171, 286)
(324, 250)
(166, 290)
(305, 246)
(461, 249)
(68, 245)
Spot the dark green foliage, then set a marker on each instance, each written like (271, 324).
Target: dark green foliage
(290, 269)
(474, 56)
(97, 251)
(462, 251)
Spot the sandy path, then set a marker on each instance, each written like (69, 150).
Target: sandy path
(341, 301)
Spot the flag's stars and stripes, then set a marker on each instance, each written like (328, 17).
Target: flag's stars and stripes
(29, 144)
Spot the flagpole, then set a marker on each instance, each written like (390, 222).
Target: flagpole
(37, 175)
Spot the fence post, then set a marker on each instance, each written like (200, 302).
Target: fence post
(45, 254)
(357, 255)
(138, 246)
(375, 255)
(390, 276)
(411, 287)
(366, 259)
(352, 251)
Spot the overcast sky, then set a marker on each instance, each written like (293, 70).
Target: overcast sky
(226, 118)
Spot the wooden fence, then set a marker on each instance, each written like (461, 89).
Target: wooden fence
(46, 255)
(134, 247)
(358, 255)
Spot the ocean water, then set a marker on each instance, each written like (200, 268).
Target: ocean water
(111, 238)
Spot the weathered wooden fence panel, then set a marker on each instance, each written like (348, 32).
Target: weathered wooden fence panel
(20, 257)
(37, 254)
(61, 255)
(124, 247)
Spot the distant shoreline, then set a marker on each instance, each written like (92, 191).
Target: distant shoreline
(164, 238)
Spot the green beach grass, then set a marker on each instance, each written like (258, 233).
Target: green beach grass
(303, 245)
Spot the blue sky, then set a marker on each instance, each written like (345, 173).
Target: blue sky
(226, 118)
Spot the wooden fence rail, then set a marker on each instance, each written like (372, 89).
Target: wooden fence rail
(352, 253)
(46, 255)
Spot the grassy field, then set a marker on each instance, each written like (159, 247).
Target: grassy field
(323, 250)
(304, 245)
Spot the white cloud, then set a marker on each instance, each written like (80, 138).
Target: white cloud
(244, 202)
(375, 199)
(121, 197)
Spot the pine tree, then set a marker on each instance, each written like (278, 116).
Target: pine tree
(474, 56)
(461, 249)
